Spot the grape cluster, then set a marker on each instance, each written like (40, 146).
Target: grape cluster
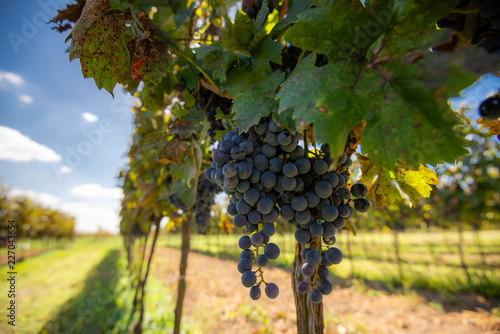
(209, 102)
(176, 201)
(205, 194)
(486, 31)
(252, 7)
(269, 173)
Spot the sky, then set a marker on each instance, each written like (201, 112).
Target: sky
(62, 140)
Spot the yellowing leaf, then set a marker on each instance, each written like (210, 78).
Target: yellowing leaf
(416, 183)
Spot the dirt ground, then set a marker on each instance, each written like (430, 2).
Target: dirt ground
(217, 303)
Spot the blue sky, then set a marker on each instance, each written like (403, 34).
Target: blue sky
(62, 141)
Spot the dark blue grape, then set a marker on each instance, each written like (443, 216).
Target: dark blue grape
(316, 230)
(244, 242)
(303, 165)
(244, 170)
(248, 279)
(240, 220)
(329, 229)
(316, 296)
(262, 260)
(303, 217)
(325, 287)
(320, 167)
(289, 183)
(255, 292)
(251, 196)
(313, 257)
(361, 204)
(257, 239)
(247, 254)
(332, 178)
(272, 139)
(303, 287)
(285, 138)
(323, 272)
(323, 189)
(339, 223)
(243, 186)
(272, 290)
(255, 176)
(254, 217)
(268, 229)
(302, 235)
(271, 217)
(333, 255)
(344, 211)
(220, 157)
(272, 251)
(265, 205)
(268, 179)
(330, 213)
(290, 170)
(261, 162)
(299, 203)
(287, 212)
(243, 207)
(244, 265)
(359, 190)
(312, 199)
(306, 269)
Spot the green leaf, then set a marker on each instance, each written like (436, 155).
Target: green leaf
(185, 172)
(247, 76)
(416, 183)
(415, 29)
(187, 126)
(405, 121)
(340, 28)
(324, 96)
(295, 8)
(185, 193)
(239, 34)
(217, 60)
(103, 51)
(252, 104)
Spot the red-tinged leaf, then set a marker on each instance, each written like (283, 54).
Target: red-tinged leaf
(137, 70)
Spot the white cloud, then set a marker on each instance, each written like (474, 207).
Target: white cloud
(89, 218)
(40, 198)
(65, 170)
(26, 99)
(90, 117)
(8, 79)
(15, 146)
(92, 190)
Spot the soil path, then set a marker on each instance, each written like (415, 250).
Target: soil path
(218, 303)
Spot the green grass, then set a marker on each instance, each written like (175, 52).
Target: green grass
(85, 289)
(429, 260)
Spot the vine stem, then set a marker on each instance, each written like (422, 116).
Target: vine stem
(207, 77)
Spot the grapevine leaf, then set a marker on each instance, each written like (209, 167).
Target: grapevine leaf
(90, 13)
(247, 76)
(239, 34)
(189, 124)
(71, 13)
(157, 63)
(416, 183)
(324, 96)
(340, 28)
(104, 54)
(185, 172)
(185, 193)
(368, 170)
(412, 33)
(405, 121)
(384, 191)
(217, 60)
(173, 151)
(285, 118)
(151, 139)
(261, 16)
(254, 103)
(296, 7)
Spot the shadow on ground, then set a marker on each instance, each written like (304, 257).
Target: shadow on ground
(99, 307)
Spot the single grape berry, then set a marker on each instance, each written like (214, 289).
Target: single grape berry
(490, 108)
(359, 190)
(255, 292)
(272, 290)
(303, 287)
(248, 279)
(361, 204)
